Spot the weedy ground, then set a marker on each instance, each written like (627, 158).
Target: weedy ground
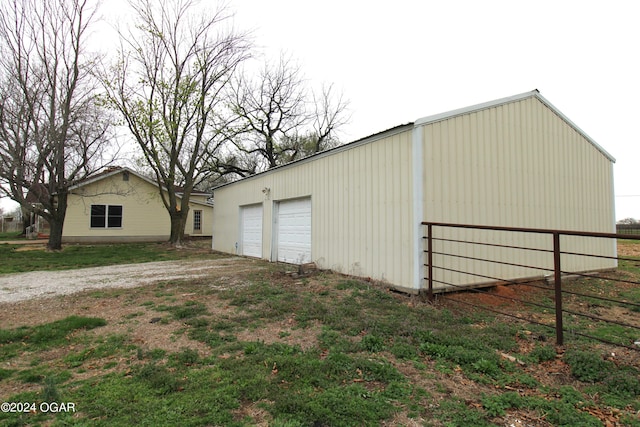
(263, 347)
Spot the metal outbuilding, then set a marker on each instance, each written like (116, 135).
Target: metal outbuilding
(357, 208)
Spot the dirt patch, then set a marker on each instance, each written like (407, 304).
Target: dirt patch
(284, 332)
(500, 296)
(628, 248)
(149, 335)
(27, 248)
(260, 416)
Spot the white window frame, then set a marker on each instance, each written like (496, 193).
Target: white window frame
(106, 217)
(197, 220)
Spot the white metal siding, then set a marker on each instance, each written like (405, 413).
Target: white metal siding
(294, 231)
(513, 164)
(519, 165)
(361, 216)
(251, 230)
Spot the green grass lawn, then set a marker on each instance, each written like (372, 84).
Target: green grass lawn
(14, 235)
(323, 350)
(22, 258)
(369, 357)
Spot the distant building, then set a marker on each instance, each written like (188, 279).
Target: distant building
(120, 205)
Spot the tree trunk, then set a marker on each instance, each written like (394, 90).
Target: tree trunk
(56, 221)
(178, 223)
(271, 155)
(26, 221)
(55, 235)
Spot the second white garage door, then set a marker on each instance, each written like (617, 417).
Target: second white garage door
(294, 231)
(251, 229)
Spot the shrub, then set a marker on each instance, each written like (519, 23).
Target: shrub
(404, 351)
(50, 391)
(5, 373)
(487, 367)
(159, 379)
(624, 383)
(50, 333)
(187, 356)
(543, 353)
(496, 405)
(372, 343)
(586, 366)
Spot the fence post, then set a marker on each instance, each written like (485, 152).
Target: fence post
(558, 287)
(429, 262)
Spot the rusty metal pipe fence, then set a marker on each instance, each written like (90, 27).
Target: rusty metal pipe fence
(555, 273)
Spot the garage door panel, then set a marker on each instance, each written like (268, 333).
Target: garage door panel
(294, 231)
(251, 230)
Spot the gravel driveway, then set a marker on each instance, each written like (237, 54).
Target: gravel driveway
(42, 284)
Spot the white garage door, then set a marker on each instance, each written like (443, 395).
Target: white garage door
(294, 231)
(251, 230)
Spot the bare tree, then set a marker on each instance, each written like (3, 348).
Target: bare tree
(53, 133)
(280, 122)
(330, 114)
(168, 86)
(629, 221)
(272, 109)
(320, 133)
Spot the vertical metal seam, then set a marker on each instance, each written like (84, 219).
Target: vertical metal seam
(417, 165)
(612, 200)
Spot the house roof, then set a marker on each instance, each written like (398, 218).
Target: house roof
(108, 172)
(436, 118)
(37, 192)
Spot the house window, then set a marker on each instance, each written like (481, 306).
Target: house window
(106, 216)
(197, 220)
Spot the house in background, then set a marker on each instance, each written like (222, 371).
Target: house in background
(120, 205)
(34, 225)
(358, 208)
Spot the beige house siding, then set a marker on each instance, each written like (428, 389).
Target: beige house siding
(520, 165)
(206, 221)
(357, 227)
(144, 217)
(197, 197)
(512, 162)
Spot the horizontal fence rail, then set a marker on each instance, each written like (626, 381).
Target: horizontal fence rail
(472, 257)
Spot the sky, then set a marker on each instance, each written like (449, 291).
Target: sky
(402, 60)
